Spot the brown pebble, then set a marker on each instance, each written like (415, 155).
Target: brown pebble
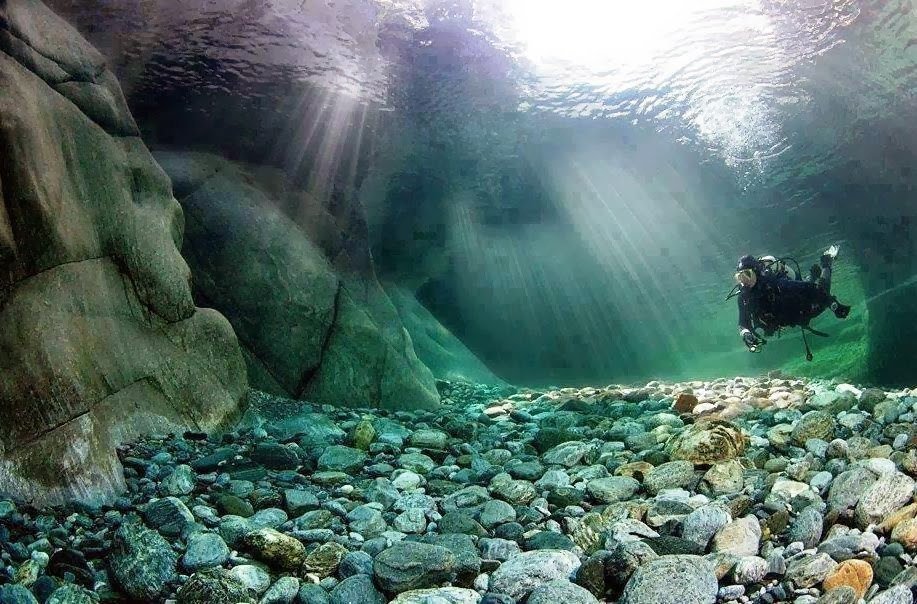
(906, 513)
(905, 533)
(852, 573)
(685, 403)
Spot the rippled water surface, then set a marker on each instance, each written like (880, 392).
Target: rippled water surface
(727, 74)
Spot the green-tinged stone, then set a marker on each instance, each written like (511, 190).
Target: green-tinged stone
(363, 434)
(276, 549)
(323, 561)
(212, 586)
(142, 561)
(70, 594)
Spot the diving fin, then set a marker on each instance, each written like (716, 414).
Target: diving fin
(827, 258)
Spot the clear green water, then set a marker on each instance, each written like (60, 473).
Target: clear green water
(568, 189)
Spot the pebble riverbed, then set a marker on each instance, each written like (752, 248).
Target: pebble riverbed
(757, 490)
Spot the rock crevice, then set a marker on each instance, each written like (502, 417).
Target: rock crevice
(315, 321)
(310, 373)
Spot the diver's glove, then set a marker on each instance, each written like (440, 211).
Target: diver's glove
(751, 340)
(828, 257)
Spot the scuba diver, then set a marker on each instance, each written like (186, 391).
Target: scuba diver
(769, 299)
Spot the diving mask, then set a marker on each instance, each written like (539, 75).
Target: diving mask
(746, 277)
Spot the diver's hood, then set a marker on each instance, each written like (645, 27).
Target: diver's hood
(748, 261)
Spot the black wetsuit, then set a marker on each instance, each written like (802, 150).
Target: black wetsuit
(778, 301)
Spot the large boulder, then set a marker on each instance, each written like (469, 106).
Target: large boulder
(100, 339)
(297, 283)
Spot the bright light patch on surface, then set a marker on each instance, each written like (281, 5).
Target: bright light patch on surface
(709, 65)
(602, 34)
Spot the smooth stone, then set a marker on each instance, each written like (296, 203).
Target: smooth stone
(367, 520)
(299, 502)
(310, 593)
(407, 480)
(324, 560)
(439, 595)
(409, 565)
(561, 591)
(814, 424)
(467, 560)
(810, 570)
(498, 549)
(725, 477)
(167, 515)
(16, 594)
(355, 563)
(180, 482)
(496, 512)
(707, 443)
(338, 458)
(548, 540)
(275, 548)
(740, 537)
(896, 595)
(673, 580)
(838, 595)
(522, 573)
(807, 528)
(460, 523)
(612, 489)
(212, 462)
(275, 456)
(315, 519)
(469, 499)
(553, 479)
(905, 533)
(205, 550)
(889, 493)
(516, 492)
(268, 518)
(70, 594)
(283, 591)
(233, 528)
(252, 577)
(856, 574)
(212, 586)
(411, 521)
(364, 434)
(312, 428)
(429, 439)
(417, 463)
(849, 486)
(566, 454)
(233, 505)
(730, 592)
(703, 523)
(142, 561)
(671, 475)
(411, 501)
(750, 569)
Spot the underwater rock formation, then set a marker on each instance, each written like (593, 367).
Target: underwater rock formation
(296, 281)
(440, 350)
(100, 340)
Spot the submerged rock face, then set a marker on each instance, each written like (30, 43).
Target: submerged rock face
(446, 356)
(100, 340)
(296, 281)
